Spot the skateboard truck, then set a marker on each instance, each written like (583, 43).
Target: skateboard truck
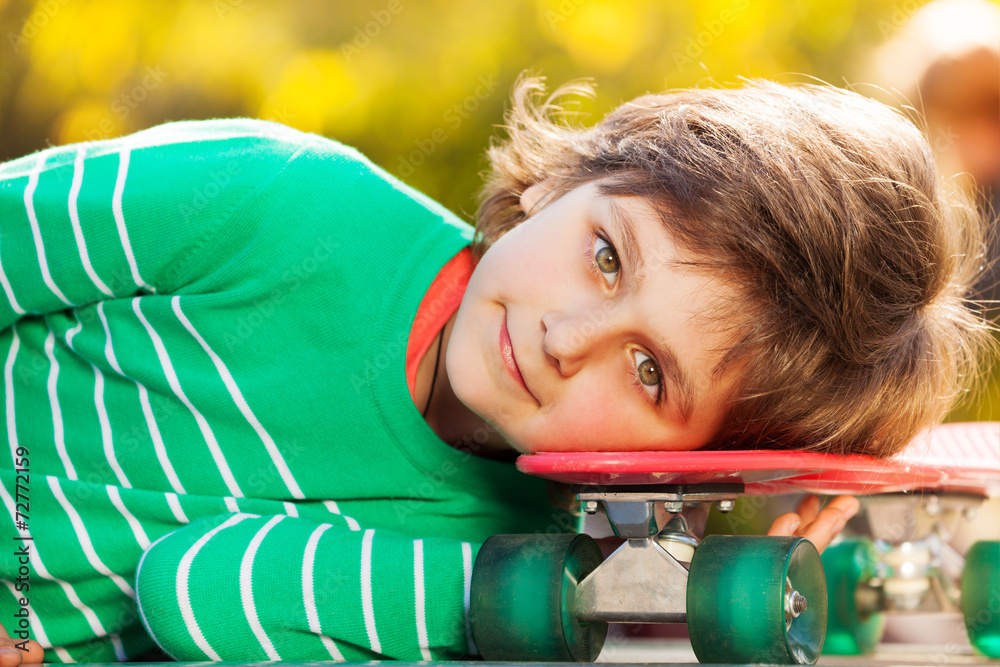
(907, 566)
(645, 580)
(745, 599)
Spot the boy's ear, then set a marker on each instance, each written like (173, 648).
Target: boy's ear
(535, 193)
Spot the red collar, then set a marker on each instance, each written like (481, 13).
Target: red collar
(438, 305)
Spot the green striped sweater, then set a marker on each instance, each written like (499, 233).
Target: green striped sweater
(212, 445)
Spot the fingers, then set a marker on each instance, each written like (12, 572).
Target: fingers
(36, 654)
(819, 526)
(11, 656)
(830, 521)
(808, 509)
(786, 524)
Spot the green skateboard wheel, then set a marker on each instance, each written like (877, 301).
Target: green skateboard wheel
(850, 629)
(523, 598)
(981, 596)
(739, 605)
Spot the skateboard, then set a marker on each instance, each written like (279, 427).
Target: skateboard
(745, 599)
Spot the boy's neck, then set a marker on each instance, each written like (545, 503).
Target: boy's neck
(448, 417)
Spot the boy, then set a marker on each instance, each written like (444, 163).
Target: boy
(207, 328)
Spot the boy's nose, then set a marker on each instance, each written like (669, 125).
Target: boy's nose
(569, 338)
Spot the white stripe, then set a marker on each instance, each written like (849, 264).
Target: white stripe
(109, 350)
(74, 194)
(184, 596)
(39, 567)
(335, 509)
(309, 594)
(36, 232)
(418, 585)
(231, 505)
(206, 431)
(120, 654)
(366, 589)
(137, 530)
(467, 572)
(8, 381)
(175, 506)
(72, 334)
(147, 410)
(9, 291)
(237, 396)
(84, 538)
(116, 205)
(102, 417)
(37, 631)
(158, 446)
(57, 421)
(290, 509)
(173, 133)
(246, 588)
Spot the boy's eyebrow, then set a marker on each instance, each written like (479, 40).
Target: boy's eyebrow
(684, 393)
(632, 249)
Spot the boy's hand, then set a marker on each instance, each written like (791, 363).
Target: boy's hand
(11, 656)
(820, 526)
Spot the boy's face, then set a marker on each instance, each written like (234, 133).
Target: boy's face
(613, 357)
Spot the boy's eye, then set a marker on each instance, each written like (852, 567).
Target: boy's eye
(606, 260)
(647, 373)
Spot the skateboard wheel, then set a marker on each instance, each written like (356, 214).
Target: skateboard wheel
(850, 628)
(738, 600)
(523, 598)
(981, 596)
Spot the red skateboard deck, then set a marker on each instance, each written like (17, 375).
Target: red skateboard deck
(954, 458)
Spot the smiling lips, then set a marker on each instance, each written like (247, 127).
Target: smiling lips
(507, 354)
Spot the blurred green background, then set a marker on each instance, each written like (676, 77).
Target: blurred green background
(418, 86)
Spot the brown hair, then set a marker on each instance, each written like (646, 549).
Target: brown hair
(852, 261)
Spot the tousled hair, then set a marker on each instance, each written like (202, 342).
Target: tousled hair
(850, 321)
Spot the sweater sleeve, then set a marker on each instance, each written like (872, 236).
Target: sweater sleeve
(94, 221)
(243, 587)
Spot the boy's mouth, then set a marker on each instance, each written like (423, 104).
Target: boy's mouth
(507, 354)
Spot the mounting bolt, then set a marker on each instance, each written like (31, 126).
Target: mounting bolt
(673, 506)
(970, 513)
(795, 603)
(726, 506)
(932, 505)
(590, 507)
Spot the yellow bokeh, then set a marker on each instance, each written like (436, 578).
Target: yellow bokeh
(86, 47)
(600, 35)
(316, 91)
(87, 120)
